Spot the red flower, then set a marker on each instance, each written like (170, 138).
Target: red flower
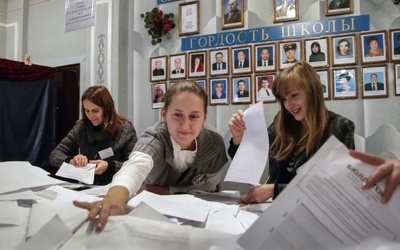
(156, 20)
(165, 21)
(160, 13)
(167, 27)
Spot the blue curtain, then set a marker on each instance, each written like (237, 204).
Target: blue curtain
(27, 114)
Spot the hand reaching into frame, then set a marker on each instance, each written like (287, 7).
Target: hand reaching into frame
(386, 169)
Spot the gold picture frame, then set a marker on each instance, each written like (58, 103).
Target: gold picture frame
(286, 10)
(189, 18)
(375, 81)
(232, 14)
(338, 7)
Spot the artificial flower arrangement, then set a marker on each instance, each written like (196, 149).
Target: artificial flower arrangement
(158, 24)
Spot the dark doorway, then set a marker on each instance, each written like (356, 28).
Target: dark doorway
(66, 82)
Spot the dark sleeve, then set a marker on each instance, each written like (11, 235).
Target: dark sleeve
(342, 128)
(66, 149)
(346, 134)
(128, 139)
(278, 189)
(232, 149)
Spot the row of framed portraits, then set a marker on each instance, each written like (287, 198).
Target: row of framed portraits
(321, 52)
(232, 13)
(337, 84)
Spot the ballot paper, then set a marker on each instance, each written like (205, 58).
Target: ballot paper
(324, 207)
(82, 174)
(251, 157)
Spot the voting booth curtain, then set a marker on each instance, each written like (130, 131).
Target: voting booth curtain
(27, 123)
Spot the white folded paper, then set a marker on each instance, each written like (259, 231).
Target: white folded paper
(82, 174)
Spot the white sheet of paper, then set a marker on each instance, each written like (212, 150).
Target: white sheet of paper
(246, 218)
(50, 236)
(224, 222)
(324, 207)
(23, 195)
(19, 175)
(13, 235)
(146, 212)
(43, 212)
(59, 193)
(83, 174)
(9, 213)
(140, 233)
(180, 206)
(251, 157)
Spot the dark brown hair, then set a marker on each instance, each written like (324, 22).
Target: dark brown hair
(99, 95)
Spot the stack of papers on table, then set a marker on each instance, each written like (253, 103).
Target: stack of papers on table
(324, 207)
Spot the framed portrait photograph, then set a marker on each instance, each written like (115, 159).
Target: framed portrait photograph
(286, 10)
(241, 60)
(219, 61)
(317, 52)
(201, 82)
(264, 57)
(158, 68)
(344, 50)
(344, 83)
(157, 94)
(397, 79)
(219, 91)
(373, 47)
(338, 7)
(232, 14)
(197, 63)
(374, 82)
(394, 44)
(189, 18)
(241, 89)
(325, 81)
(263, 88)
(177, 66)
(289, 53)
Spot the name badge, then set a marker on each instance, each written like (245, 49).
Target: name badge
(106, 153)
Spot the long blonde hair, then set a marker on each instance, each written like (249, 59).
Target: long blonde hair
(289, 138)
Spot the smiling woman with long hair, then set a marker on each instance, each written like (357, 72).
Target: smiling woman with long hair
(299, 129)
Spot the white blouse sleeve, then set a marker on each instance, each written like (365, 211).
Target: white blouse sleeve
(133, 172)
